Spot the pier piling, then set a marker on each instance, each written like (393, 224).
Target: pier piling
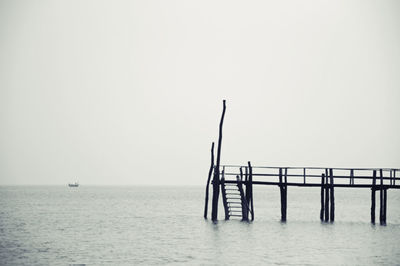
(326, 197)
(208, 181)
(321, 214)
(373, 193)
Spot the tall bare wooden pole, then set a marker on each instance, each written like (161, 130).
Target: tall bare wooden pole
(214, 212)
(208, 181)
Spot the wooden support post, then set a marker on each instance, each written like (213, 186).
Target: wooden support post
(304, 176)
(214, 212)
(208, 181)
(373, 190)
(384, 205)
(321, 213)
(285, 196)
(251, 190)
(381, 198)
(224, 200)
(332, 188)
(244, 204)
(247, 191)
(326, 198)
(281, 189)
(241, 174)
(394, 177)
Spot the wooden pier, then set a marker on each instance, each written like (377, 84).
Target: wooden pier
(236, 185)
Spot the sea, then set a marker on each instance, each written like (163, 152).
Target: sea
(139, 225)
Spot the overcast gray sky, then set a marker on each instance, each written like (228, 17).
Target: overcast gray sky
(130, 92)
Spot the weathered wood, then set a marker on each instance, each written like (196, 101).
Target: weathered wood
(214, 213)
(251, 190)
(332, 188)
(373, 191)
(381, 198)
(244, 203)
(208, 181)
(326, 198)
(304, 175)
(321, 213)
(224, 199)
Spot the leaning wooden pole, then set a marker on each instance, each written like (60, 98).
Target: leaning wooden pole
(214, 212)
(208, 181)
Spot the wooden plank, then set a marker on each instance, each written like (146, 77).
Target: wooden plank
(311, 184)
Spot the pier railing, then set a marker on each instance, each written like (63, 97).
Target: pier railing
(311, 176)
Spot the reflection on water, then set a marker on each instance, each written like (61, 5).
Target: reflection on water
(164, 225)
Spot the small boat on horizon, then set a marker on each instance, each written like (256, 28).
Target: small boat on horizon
(76, 184)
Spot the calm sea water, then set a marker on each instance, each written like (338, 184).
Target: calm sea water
(164, 225)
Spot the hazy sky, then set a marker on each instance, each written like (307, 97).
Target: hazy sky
(130, 92)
